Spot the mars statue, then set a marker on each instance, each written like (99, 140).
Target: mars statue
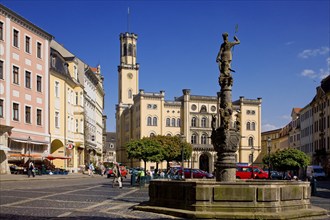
(226, 138)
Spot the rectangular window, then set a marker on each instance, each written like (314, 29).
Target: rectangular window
(15, 75)
(1, 69)
(28, 79)
(39, 78)
(39, 115)
(57, 93)
(28, 114)
(1, 30)
(15, 38)
(57, 119)
(39, 50)
(15, 111)
(27, 44)
(76, 98)
(77, 125)
(1, 108)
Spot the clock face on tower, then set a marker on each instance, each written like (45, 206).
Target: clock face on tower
(130, 75)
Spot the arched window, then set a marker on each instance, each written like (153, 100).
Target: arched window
(173, 122)
(168, 135)
(125, 49)
(168, 122)
(248, 126)
(203, 122)
(203, 108)
(203, 139)
(250, 141)
(149, 121)
(193, 122)
(152, 135)
(129, 93)
(178, 122)
(130, 50)
(154, 122)
(193, 139)
(253, 126)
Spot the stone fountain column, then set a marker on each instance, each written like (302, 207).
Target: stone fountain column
(226, 138)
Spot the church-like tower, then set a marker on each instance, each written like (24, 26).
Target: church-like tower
(128, 86)
(128, 70)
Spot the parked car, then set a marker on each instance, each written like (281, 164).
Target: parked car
(197, 173)
(123, 172)
(315, 171)
(245, 172)
(275, 175)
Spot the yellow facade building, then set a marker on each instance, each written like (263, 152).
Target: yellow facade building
(66, 111)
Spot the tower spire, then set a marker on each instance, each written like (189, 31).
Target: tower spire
(128, 19)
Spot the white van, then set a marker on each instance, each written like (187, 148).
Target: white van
(315, 171)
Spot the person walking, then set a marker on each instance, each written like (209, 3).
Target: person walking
(91, 169)
(102, 167)
(31, 169)
(117, 175)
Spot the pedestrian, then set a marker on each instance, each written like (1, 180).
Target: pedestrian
(117, 175)
(102, 167)
(31, 169)
(91, 169)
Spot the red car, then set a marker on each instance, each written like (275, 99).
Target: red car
(245, 172)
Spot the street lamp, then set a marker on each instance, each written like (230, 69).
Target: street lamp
(182, 155)
(269, 148)
(28, 145)
(252, 151)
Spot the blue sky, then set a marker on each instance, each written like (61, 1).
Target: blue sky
(283, 55)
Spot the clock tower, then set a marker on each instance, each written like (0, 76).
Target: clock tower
(128, 86)
(128, 70)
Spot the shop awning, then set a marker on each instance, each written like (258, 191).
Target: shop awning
(25, 155)
(54, 157)
(2, 147)
(29, 141)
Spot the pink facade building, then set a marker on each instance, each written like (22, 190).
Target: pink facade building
(24, 92)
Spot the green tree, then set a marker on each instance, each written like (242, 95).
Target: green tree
(287, 159)
(158, 148)
(172, 146)
(146, 149)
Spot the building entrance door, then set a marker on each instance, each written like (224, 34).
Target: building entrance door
(204, 162)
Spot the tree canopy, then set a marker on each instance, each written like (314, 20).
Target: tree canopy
(158, 148)
(287, 159)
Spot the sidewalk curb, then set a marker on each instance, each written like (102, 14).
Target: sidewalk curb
(43, 177)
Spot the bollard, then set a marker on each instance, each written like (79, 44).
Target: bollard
(313, 186)
(133, 179)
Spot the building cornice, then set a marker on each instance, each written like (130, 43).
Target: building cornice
(16, 18)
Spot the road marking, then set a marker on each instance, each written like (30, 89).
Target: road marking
(105, 202)
(42, 197)
(64, 214)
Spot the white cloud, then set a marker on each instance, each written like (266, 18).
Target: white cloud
(268, 127)
(313, 52)
(309, 73)
(289, 43)
(286, 117)
(313, 75)
(323, 73)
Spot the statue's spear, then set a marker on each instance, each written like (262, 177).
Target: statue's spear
(236, 30)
